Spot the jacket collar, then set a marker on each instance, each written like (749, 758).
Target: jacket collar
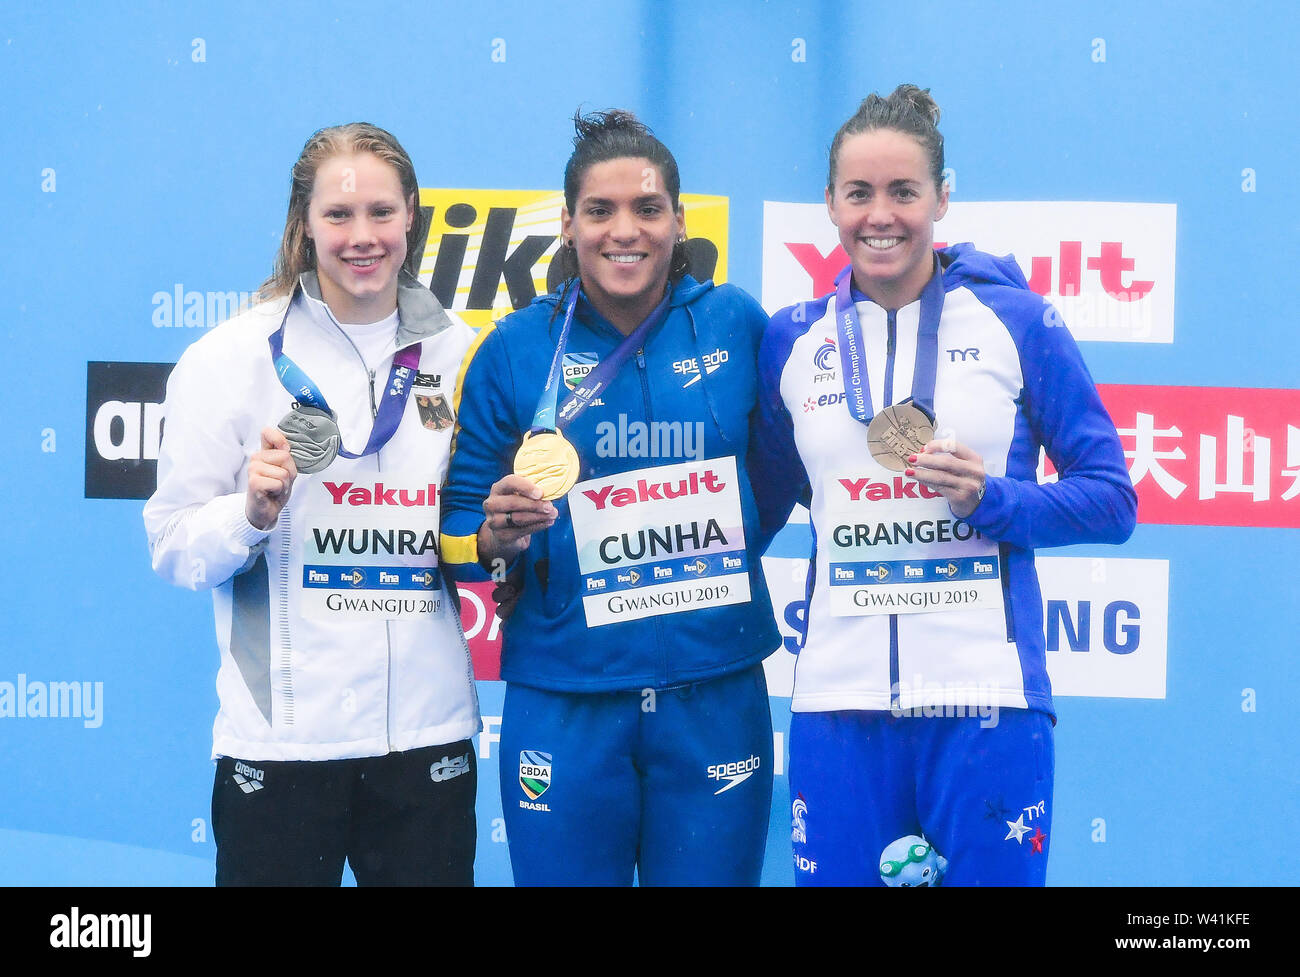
(419, 314)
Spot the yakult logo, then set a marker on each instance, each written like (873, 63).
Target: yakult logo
(865, 490)
(1107, 268)
(378, 494)
(644, 490)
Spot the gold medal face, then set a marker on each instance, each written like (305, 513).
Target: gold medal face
(549, 462)
(897, 432)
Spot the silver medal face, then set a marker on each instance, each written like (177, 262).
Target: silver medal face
(313, 436)
(897, 432)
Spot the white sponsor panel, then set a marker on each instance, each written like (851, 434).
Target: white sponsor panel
(1108, 268)
(371, 566)
(1106, 623)
(660, 541)
(905, 556)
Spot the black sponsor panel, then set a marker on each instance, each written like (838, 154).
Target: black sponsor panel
(123, 428)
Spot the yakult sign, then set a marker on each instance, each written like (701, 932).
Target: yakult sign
(1107, 268)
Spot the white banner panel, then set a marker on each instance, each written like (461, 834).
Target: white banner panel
(1108, 268)
(1106, 623)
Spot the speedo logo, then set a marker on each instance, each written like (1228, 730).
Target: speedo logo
(865, 490)
(691, 366)
(351, 494)
(736, 772)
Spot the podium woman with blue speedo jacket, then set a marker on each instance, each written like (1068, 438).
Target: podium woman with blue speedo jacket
(600, 461)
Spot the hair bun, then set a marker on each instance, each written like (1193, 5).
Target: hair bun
(920, 100)
(596, 124)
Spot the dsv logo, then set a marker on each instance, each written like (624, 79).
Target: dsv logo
(124, 425)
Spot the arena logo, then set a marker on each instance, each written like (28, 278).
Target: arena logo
(480, 241)
(124, 426)
(1107, 268)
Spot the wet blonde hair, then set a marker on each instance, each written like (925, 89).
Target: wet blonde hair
(296, 254)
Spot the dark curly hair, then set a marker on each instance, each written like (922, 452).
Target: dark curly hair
(617, 134)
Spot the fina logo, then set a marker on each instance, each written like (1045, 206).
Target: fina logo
(534, 773)
(824, 358)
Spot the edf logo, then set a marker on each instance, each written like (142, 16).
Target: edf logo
(1120, 631)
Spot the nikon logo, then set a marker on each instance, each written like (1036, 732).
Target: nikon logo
(480, 240)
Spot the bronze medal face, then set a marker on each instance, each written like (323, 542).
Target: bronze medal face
(896, 433)
(549, 462)
(314, 438)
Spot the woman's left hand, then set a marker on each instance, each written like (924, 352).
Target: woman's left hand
(954, 471)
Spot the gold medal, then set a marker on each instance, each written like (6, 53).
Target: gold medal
(549, 462)
(898, 432)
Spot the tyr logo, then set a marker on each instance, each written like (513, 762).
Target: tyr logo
(973, 352)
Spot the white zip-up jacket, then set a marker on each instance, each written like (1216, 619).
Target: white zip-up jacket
(910, 607)
(337, 635)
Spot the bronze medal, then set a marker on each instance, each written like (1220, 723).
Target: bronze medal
(549, 462)
(898, 432)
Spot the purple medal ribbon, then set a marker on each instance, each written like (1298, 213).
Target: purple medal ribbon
(391, 408)
(545, 419)
(857, 385)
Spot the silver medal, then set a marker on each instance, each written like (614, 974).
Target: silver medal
(314, 438)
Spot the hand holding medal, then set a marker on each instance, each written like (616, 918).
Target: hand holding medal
(271, 472)
(953, 470)
(515, 509)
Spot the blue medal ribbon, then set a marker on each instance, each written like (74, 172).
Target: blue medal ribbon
(857, 385)
(545, 417)
(304, 390)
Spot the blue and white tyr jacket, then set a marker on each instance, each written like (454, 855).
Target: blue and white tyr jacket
(1009, 380)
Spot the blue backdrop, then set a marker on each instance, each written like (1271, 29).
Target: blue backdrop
(149, 148)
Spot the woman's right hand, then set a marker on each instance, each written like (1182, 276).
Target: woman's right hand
(515, 510)
(271, 472)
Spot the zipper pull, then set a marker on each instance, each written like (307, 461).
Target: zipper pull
(640, 358)
(374, 409)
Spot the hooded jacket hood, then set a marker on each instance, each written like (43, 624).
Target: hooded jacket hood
(962, 262)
